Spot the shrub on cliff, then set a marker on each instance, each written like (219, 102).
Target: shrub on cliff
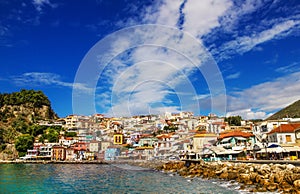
(24, 142)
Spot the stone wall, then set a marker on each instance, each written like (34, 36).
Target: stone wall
(284, 178)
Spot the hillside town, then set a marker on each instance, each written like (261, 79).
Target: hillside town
(173, 136)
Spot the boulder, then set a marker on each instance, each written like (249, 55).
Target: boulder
(224, 175)
(290, 177)
(279, 177)
(253, 176)
(297, 184)
(290, 167)
(232, 175)
(286, 187)
(243, 178)
(272, 187)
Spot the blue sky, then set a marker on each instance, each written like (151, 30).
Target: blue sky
(222, 56)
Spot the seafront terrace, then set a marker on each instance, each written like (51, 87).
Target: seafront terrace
(293, 162)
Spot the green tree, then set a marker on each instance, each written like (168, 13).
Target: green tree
(20, 125)
(36, 130)
(234, 120)
(9, 135)
(71, 134)
(52, 135)
(171, 128)
(23, 143)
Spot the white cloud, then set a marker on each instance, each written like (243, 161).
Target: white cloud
(266, 97)
(39, 4)
(230, 20)
(201, 96)
(202, 16)
(43, 79)
(233, 76)
(289, 68)
(155, 64)
(248, 114)
(246, 43)
(147, 65)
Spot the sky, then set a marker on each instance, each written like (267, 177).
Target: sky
(133, 57)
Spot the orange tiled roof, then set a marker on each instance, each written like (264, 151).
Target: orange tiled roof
(235, 134)
(286, 128)
(146, 135)
(205, 135)
(164, 136)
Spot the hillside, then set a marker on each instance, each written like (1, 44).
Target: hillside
(19, 111)
(29, 105)
(291, 111)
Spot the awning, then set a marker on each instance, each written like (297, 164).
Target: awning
(206, 152)
(240, 138)
(229, 152)
(272, 150)
(218, 150)
(292, 149)
(226, 139)
(273, 145)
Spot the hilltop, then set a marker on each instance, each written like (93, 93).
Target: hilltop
(19, 111)
(28, 105)
(291, 111)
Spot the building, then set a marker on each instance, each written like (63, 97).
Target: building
(284, 134)
(119, 139)
(70, 155)
(58, 153)
(67, 141)
(105, 145)
(147, 141)
(95, 147)
(236, 140)
(203, 140)
(111, 153)
(80, 148)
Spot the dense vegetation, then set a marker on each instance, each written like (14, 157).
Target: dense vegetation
(42, 133)
(233, 120)
(36, 98)
(19, 113)
(291, 111)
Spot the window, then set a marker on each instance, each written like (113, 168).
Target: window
(288, 138)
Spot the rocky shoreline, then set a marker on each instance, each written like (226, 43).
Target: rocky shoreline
(281, 178)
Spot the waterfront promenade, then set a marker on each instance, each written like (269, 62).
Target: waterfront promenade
(293, 162)
(145, 163)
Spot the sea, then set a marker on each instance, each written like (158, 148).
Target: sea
(102, 178)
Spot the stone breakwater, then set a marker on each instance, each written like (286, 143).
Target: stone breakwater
(281, 178)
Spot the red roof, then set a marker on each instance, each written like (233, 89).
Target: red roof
(164, 136)
(235, 134)
(286, 128)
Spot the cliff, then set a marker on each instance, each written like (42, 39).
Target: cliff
(19, 111)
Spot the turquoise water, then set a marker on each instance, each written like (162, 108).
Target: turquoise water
(95, 178)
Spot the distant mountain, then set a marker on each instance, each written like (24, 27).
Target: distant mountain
(291, 111)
